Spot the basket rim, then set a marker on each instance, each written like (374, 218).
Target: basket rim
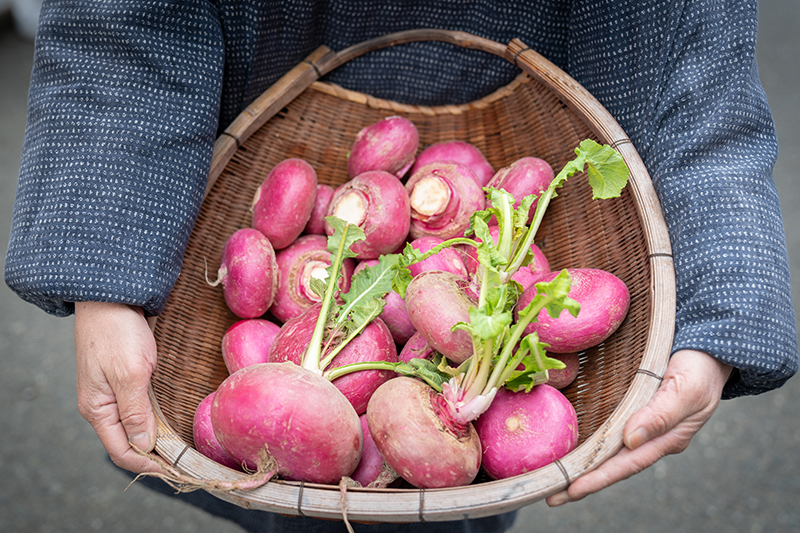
(413, 505)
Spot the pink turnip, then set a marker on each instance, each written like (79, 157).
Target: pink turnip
(523, 431)
(247, 342)
(529, 175)
(388, 145)
(604, 300)
(306, 259)
(283, 203)
(446, 259)
(562, 377)
(415, 436)
(296, 416)
(372, 471)
(459, 152)
(436, 301)
(442, 198)
(416, 348)
(374, 343)
(377, 203)
(525, 275)
(316, 222)
(394, 313)
(204, 439)
(248, 273)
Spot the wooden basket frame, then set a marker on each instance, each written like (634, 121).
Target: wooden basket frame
(414, 505)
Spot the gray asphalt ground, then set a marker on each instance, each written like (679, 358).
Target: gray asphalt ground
(740, 474)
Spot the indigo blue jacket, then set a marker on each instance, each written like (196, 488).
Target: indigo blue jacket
(127, 98)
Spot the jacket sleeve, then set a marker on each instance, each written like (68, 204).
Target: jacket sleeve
(122, 116)
(681, 78)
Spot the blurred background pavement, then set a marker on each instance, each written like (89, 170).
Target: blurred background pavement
(740, 474)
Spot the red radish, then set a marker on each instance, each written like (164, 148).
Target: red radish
(562, 377)
(443, 196)
(248, 273)
(529, 175)
(394, 313)
(247, 342)
(204, 439)
(604, 301)
(283, 203)
(389, 145)
(371, 471)
(446, 259)
(459, 152)
(416, 437)
(377, 203)
(316, 222)
(307, 258)
(374, 343)
(292, 413)
(436, 301)
(523, 431)
(416, 348)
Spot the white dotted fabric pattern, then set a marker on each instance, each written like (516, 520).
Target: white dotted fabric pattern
(126, 100)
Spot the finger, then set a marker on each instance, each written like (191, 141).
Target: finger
(105, 419)
(689, 394)
(669, 406)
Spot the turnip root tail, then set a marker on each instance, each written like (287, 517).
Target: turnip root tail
(344, 484)
(385, 478)
(219, 275)
(267, 468)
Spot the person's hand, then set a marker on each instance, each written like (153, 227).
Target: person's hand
(116, 354)
(686, 399)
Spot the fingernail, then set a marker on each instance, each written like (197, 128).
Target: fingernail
(559, 498)
(637, 438)
(141, 441)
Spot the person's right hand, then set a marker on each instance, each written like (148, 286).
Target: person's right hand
(116, 354)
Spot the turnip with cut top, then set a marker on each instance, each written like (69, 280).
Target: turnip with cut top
(442, 198)
(378, 204)
(303, 261)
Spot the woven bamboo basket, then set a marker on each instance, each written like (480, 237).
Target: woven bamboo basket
(543, 113)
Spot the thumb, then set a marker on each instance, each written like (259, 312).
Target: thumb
(686, 399)
(136, 413)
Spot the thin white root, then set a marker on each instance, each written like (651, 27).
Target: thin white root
(344, 484)
(212, 283)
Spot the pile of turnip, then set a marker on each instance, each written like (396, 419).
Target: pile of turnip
(404, 327)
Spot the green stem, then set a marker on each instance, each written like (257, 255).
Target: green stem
(311, 359)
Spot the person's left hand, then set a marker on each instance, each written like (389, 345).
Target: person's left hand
(686, 399)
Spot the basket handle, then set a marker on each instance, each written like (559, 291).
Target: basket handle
(320, 62)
